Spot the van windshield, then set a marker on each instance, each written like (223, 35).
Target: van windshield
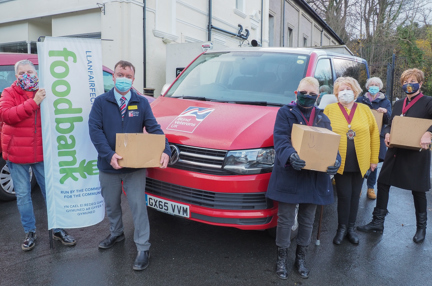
(242, 77)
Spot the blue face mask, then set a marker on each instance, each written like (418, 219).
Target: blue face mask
(123, 84)
(373, 90)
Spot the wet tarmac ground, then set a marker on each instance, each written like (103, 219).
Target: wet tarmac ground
(184, 252)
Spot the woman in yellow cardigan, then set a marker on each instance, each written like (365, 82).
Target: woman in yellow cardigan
(358, 147)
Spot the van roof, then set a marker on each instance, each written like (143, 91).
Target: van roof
(7, 59)
(302, 51)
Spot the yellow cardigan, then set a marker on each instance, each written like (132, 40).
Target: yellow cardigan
(367, 139)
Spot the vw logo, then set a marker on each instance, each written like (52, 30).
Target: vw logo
(175, 154)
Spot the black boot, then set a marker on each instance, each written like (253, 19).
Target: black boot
(421, 227)
(281, 264)
(352, 235)
(340, 234)
(377, 223)
(300, 261)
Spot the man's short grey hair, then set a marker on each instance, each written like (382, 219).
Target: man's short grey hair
(23, 63)
(374, 80)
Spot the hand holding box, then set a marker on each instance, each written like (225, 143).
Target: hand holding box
(315, 145)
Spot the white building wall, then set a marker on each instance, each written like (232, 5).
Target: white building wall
(316, 38)
(37, 29)
(83, 22)
(168, 22)
(120, 24)
(292, 17)
(122, 34)
(14, 32)
(190, 25)
(305, 31)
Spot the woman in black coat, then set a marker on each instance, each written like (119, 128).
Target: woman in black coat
(404, 168)
(378, 101)
(290, 185)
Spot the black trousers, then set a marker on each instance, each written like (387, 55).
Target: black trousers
(420, 202)
(348, 188)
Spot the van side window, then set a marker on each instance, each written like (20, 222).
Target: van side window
(7, 76)
(344, 67)
(323, 73)
(108, 81)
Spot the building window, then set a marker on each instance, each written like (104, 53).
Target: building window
(271, 31)
(290, 37)
(19, 47)
(240, 5)
(304, 42)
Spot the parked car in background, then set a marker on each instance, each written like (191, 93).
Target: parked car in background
(7, 77)
(218, 116)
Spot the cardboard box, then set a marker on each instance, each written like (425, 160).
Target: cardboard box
(379, 118)
(406, 132)
(317, 146)
(140, 150)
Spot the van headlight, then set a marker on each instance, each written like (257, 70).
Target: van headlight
(247, 162)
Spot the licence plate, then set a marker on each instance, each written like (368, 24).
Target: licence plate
(167, 206)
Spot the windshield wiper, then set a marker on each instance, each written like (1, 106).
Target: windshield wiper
(193, 97)
(261, 103)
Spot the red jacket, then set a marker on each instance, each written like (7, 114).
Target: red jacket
(21, 137)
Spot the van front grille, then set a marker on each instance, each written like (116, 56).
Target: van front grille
(226, 201)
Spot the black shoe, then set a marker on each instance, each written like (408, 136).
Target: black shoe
(142, 260)
(352, 235)
(110, 240)
(64, 237)
(300, 261)
(377, 223)
(340, 234)
(29, 241)
(421, 227)
(281, 263)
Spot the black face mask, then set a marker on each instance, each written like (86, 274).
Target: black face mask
(306, 100)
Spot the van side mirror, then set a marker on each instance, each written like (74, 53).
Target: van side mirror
(165, 88)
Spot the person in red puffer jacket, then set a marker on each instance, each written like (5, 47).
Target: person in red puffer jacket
(22, 145)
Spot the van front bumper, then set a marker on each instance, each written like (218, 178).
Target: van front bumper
(231, 201)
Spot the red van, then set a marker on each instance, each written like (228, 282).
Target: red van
(218, 116)
(7, 77)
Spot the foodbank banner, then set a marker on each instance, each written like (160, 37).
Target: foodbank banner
(70, 70)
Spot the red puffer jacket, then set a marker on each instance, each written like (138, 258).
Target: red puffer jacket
(21, 136)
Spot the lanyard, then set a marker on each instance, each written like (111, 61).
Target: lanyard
(351, 115)
(311, 118)
(406, 107)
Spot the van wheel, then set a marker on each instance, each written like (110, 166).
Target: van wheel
(7, 192)
(294, 228)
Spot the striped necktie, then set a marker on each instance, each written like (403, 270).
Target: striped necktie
(123, 106)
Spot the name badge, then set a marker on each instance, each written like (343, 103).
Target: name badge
(132, 107)
(133, 113)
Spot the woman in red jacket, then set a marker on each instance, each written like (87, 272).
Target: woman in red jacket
(22, 145)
